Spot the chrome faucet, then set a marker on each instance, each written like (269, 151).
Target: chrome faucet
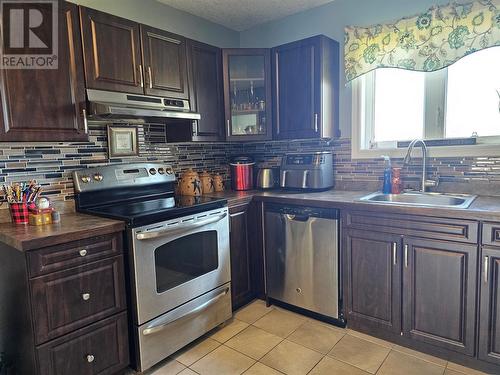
(425, 182)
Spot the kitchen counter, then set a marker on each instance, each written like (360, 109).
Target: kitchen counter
(235, 198)
(73, 226)
(483, 208)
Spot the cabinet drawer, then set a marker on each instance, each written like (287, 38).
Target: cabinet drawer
(71, 254)
(101, 348)
(417, 226)
(491, 234)
(68, 300)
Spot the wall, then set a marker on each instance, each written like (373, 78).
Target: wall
(479, 175)
(330, 20)
(153, 13)
(51, 164)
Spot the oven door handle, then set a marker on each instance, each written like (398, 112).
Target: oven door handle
(162, 324)
(179, 228)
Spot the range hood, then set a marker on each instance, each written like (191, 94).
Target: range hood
(116, 105)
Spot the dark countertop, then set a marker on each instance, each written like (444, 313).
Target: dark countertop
(483, 208)
(235, 198)
(73, 226)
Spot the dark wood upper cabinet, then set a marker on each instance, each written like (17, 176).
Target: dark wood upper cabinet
(489, 316)
(247, 94)
(439, 293)
(112, 52)
(373, 280)
(241, 264)
(47, 104)
(306, 89)
(205, 79)
(165, 68)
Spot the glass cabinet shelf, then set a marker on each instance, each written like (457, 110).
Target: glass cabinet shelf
(247, 96)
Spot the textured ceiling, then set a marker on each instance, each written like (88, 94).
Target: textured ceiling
(241, 15)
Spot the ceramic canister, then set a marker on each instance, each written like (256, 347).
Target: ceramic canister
(218, 182)
(190, 184)
(207, 183)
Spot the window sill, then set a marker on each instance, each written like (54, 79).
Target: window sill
(433, 152)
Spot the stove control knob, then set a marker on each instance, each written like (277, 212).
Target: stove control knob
(161, 171)
(169, 170)
(98, 177)
(152, 171)
(85, 179)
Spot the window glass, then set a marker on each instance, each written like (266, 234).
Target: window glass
(472, 100)
(185, 258)
(399, 105)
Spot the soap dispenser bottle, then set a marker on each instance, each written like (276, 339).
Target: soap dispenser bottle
(387, 175)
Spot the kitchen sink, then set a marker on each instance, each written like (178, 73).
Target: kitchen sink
(422, 199)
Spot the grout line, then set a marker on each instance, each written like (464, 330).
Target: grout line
(385, 359)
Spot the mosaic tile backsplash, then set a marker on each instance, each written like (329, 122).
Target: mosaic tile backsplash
(52, 164)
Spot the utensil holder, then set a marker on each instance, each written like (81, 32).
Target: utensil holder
(19, 213)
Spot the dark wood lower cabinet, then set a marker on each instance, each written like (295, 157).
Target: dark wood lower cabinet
(489, 316)
(373, 284)
(66, 312)
(101, 348)
(241, 277)
(439, 293)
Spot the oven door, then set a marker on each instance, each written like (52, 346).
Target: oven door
(176, 261)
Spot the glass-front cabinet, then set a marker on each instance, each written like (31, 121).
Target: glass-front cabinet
(247, 94)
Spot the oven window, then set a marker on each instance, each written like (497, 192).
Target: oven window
(185, 258)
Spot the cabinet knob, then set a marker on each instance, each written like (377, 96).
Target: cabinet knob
(82, 252)
(90, 358)
(86, 296)
(298, 290)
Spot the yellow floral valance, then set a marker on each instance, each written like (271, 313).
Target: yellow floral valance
(427, 42)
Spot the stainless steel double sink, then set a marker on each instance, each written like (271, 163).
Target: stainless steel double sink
(422, 199)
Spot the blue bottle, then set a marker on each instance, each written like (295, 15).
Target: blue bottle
(387, 175)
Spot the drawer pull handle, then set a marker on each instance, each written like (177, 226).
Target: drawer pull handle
(90, 358)
(86, 296)
(83, 252)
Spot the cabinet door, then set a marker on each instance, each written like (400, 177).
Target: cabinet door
(165, 68)
(112, 52)
(489, 319)
(297, 89)
(247, 94)
(373, 285)
(47, 104)
(439, 293)
(205, 64)
(241, 281)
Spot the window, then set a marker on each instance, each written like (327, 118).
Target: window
(462, 101)
(473, 95)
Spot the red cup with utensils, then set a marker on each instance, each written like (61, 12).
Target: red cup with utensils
(19, 213)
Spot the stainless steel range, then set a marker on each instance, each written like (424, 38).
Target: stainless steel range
(178, 251)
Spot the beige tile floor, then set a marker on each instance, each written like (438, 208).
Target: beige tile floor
(262, 340)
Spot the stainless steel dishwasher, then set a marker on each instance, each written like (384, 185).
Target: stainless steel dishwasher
(302, 258)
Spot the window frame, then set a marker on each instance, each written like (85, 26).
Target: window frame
(435, 108)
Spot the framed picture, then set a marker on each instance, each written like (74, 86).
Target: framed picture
(122, 141)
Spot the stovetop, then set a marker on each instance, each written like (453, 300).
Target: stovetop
(144, 212)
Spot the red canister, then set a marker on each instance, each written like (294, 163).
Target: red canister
(242, 173)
